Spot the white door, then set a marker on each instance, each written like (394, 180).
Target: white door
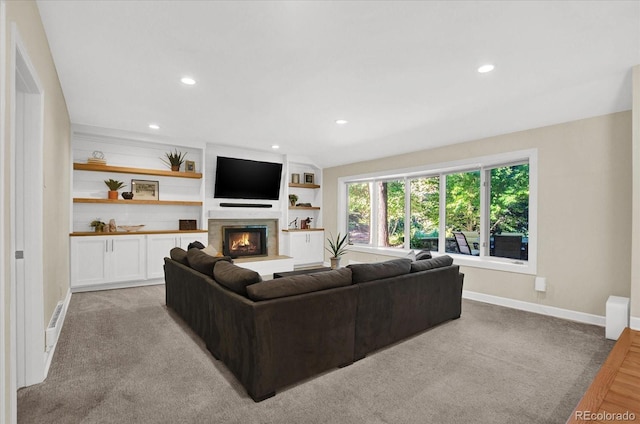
(89, 260)
(27, 220)
(127, 259)
(158, 248)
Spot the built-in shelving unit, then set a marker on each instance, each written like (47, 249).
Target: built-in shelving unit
(133, 233)
(310, 208)
(299, 230)
(138, 202)
(296, 185)
(139, 171)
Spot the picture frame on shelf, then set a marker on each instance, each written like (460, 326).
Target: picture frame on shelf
(145, 189)
(295, 178)
(189, 166)
(309, 178)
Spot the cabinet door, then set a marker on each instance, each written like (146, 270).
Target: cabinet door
(89, 260)
(306, 247)
(127, 258)
(316, 246)
(158, 248)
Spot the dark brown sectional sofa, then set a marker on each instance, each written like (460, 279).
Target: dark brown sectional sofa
(271, 334)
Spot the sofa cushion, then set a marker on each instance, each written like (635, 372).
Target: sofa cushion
(234, 277)
(202, 262)
(380, 270)
(178, 254)
(425, 264)
(299, 284)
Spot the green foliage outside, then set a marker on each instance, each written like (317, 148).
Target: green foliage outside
(509, 211)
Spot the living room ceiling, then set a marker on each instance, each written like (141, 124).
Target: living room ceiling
(403, 74)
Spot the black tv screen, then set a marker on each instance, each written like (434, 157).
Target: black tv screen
(247, 179)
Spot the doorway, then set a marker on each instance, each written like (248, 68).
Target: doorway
(26, 220)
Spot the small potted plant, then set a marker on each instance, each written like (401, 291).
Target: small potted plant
(174, 159)
(293, 198)
(98, 226)
(114, 186)
(337, 248)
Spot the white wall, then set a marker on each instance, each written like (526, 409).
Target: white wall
(584, 210)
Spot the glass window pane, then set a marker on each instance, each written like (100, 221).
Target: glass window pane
(509, 220)
(425, 213)
(463, 213)
(359, 210)
(390, 213)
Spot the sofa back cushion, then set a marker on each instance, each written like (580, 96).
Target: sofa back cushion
(299, 284)
(178, 254)
(234, 277)
(379, 270)
(426, 264)
(202, 262)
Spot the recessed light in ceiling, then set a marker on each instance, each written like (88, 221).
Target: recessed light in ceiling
(486, 68)
(154, 126)
(188, 81)
(275, 147)
(341, 121)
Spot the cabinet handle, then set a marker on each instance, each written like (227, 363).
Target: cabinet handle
(112, 245)
(106, 246)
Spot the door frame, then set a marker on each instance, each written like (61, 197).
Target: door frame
(30, 309)
(3, 303)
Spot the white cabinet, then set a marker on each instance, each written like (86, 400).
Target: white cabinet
(159, 246)
(97, 260)
(306, 247)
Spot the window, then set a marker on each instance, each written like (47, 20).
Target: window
(359, 213)
(479, 210)
(509, 211)
(424, 215)
(463, 211)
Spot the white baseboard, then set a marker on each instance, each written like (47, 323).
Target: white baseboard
(537, 308)
(114, 286)
(634, 323)
(63, 314)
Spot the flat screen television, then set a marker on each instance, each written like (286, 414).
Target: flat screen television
(247, 179)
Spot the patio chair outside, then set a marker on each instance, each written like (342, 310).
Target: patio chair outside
(463, 245)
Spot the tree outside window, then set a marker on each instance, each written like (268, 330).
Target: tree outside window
(424, 199)
(359, 210)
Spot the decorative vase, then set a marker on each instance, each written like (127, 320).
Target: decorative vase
(335, 263)
(175, 167)
(127, 195)
(113, 195)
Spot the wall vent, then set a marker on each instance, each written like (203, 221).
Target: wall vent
(53, 330)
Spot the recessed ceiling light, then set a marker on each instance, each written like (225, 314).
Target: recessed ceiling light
(275, 147)
(154, 126)
(486, 68)
(188, 80)
(341, 121)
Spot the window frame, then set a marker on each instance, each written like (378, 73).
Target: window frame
(484, 164)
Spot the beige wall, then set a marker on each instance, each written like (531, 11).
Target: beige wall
(635, 263)
(584, 210)
(56, 153)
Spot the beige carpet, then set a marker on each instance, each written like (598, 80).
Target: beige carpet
(123, 357)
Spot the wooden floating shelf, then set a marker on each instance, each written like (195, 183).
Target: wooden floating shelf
(304, 185)
(293, 230)
(132, 233)
(138, 202)
(139, 171)
(314, 208)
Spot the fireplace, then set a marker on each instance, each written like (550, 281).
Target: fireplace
(244, 241)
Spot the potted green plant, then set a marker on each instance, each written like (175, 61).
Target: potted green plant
(174, 159)
(98, 226)
(293, 198)
(114, 186)
(337, 248)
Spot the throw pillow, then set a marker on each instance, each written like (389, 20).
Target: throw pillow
(179, 255)
(210, 250)
(299, 284)
(202, 262)
(195, 244)
(423, 254)
(380, 270)
(234, 277)
(426, 264)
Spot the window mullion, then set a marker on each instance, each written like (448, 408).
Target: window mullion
(442, 236)
(373, 195)
(485, 216)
